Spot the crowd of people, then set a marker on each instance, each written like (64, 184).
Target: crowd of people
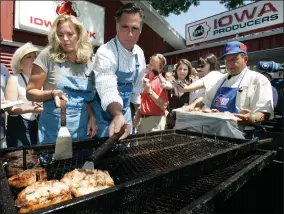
(99, 94)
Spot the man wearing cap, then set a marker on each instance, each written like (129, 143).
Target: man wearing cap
(245, 93)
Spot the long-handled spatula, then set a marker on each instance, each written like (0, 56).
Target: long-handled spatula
(63, 146)
(101, 150)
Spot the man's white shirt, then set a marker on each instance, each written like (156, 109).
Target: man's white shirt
(105, 66)
(254, 92)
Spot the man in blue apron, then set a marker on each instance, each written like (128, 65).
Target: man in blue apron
(119, 67)
(242, 92)
(245, 93)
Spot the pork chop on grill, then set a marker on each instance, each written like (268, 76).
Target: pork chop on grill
(85, 181)
(27, 177)
(13, 161)
(42, 194)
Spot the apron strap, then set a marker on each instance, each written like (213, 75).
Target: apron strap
(136, 63)
(239, 82)
(115, 42)
(84, 68)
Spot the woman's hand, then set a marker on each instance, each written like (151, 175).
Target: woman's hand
(92, 127)
(37, 109)
(57, 96)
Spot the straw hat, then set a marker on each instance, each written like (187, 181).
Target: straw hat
(19, 54)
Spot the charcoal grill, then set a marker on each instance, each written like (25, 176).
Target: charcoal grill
(144, 165)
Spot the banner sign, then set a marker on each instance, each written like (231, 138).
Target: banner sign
(38, 16)
(250, 17)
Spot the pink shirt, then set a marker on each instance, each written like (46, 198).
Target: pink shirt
(148, 107)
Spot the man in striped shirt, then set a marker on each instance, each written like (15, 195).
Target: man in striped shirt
(119, 68)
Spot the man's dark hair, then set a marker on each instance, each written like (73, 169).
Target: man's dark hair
(130, 8)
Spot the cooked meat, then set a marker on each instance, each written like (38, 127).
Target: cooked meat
(16, 155)
(42, 194)
(209, 110)
(84, 190)
(27, 177)
(14, 162)
(83, 181)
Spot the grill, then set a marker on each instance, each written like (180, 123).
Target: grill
(272, 129)
(160, 164)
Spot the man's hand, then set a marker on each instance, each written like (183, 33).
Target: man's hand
(92, 127)
(244, 117)
(189, 108)
(137, 119)
(116, 124)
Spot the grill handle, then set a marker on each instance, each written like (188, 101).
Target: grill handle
(264, 141)
(63, 112)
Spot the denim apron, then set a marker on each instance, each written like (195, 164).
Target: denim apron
(225, 98)
(125, 85)
(80, 93)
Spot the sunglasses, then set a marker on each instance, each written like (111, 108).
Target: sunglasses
(202, 66)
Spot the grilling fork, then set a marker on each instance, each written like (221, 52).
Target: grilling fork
(101, 150)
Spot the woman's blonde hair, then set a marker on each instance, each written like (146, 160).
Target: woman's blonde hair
(83, 46)
(19, 54)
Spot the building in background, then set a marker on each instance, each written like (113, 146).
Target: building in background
(24, 21)
(259, 25)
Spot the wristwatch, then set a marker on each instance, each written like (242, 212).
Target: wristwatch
(150, 92)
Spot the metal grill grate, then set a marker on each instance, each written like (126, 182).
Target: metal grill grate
(136, 158)
(180, 194)
(137, 161)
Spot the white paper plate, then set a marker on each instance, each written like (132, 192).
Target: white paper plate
(8, 104)
(221, 115)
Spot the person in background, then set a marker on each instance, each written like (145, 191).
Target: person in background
(63, 69)
(169, 76)
(245, 93)
(178, 99)
(22, 118)
(274, 91)
(194, 75)
(174, 70)
(4, 79)
(206, 64)
(154, 100)
(119, 69)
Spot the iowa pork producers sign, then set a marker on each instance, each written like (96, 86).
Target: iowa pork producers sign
(250, 17)
(38, 16)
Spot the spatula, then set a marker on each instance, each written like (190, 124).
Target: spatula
(101, 150)
(63, 146)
